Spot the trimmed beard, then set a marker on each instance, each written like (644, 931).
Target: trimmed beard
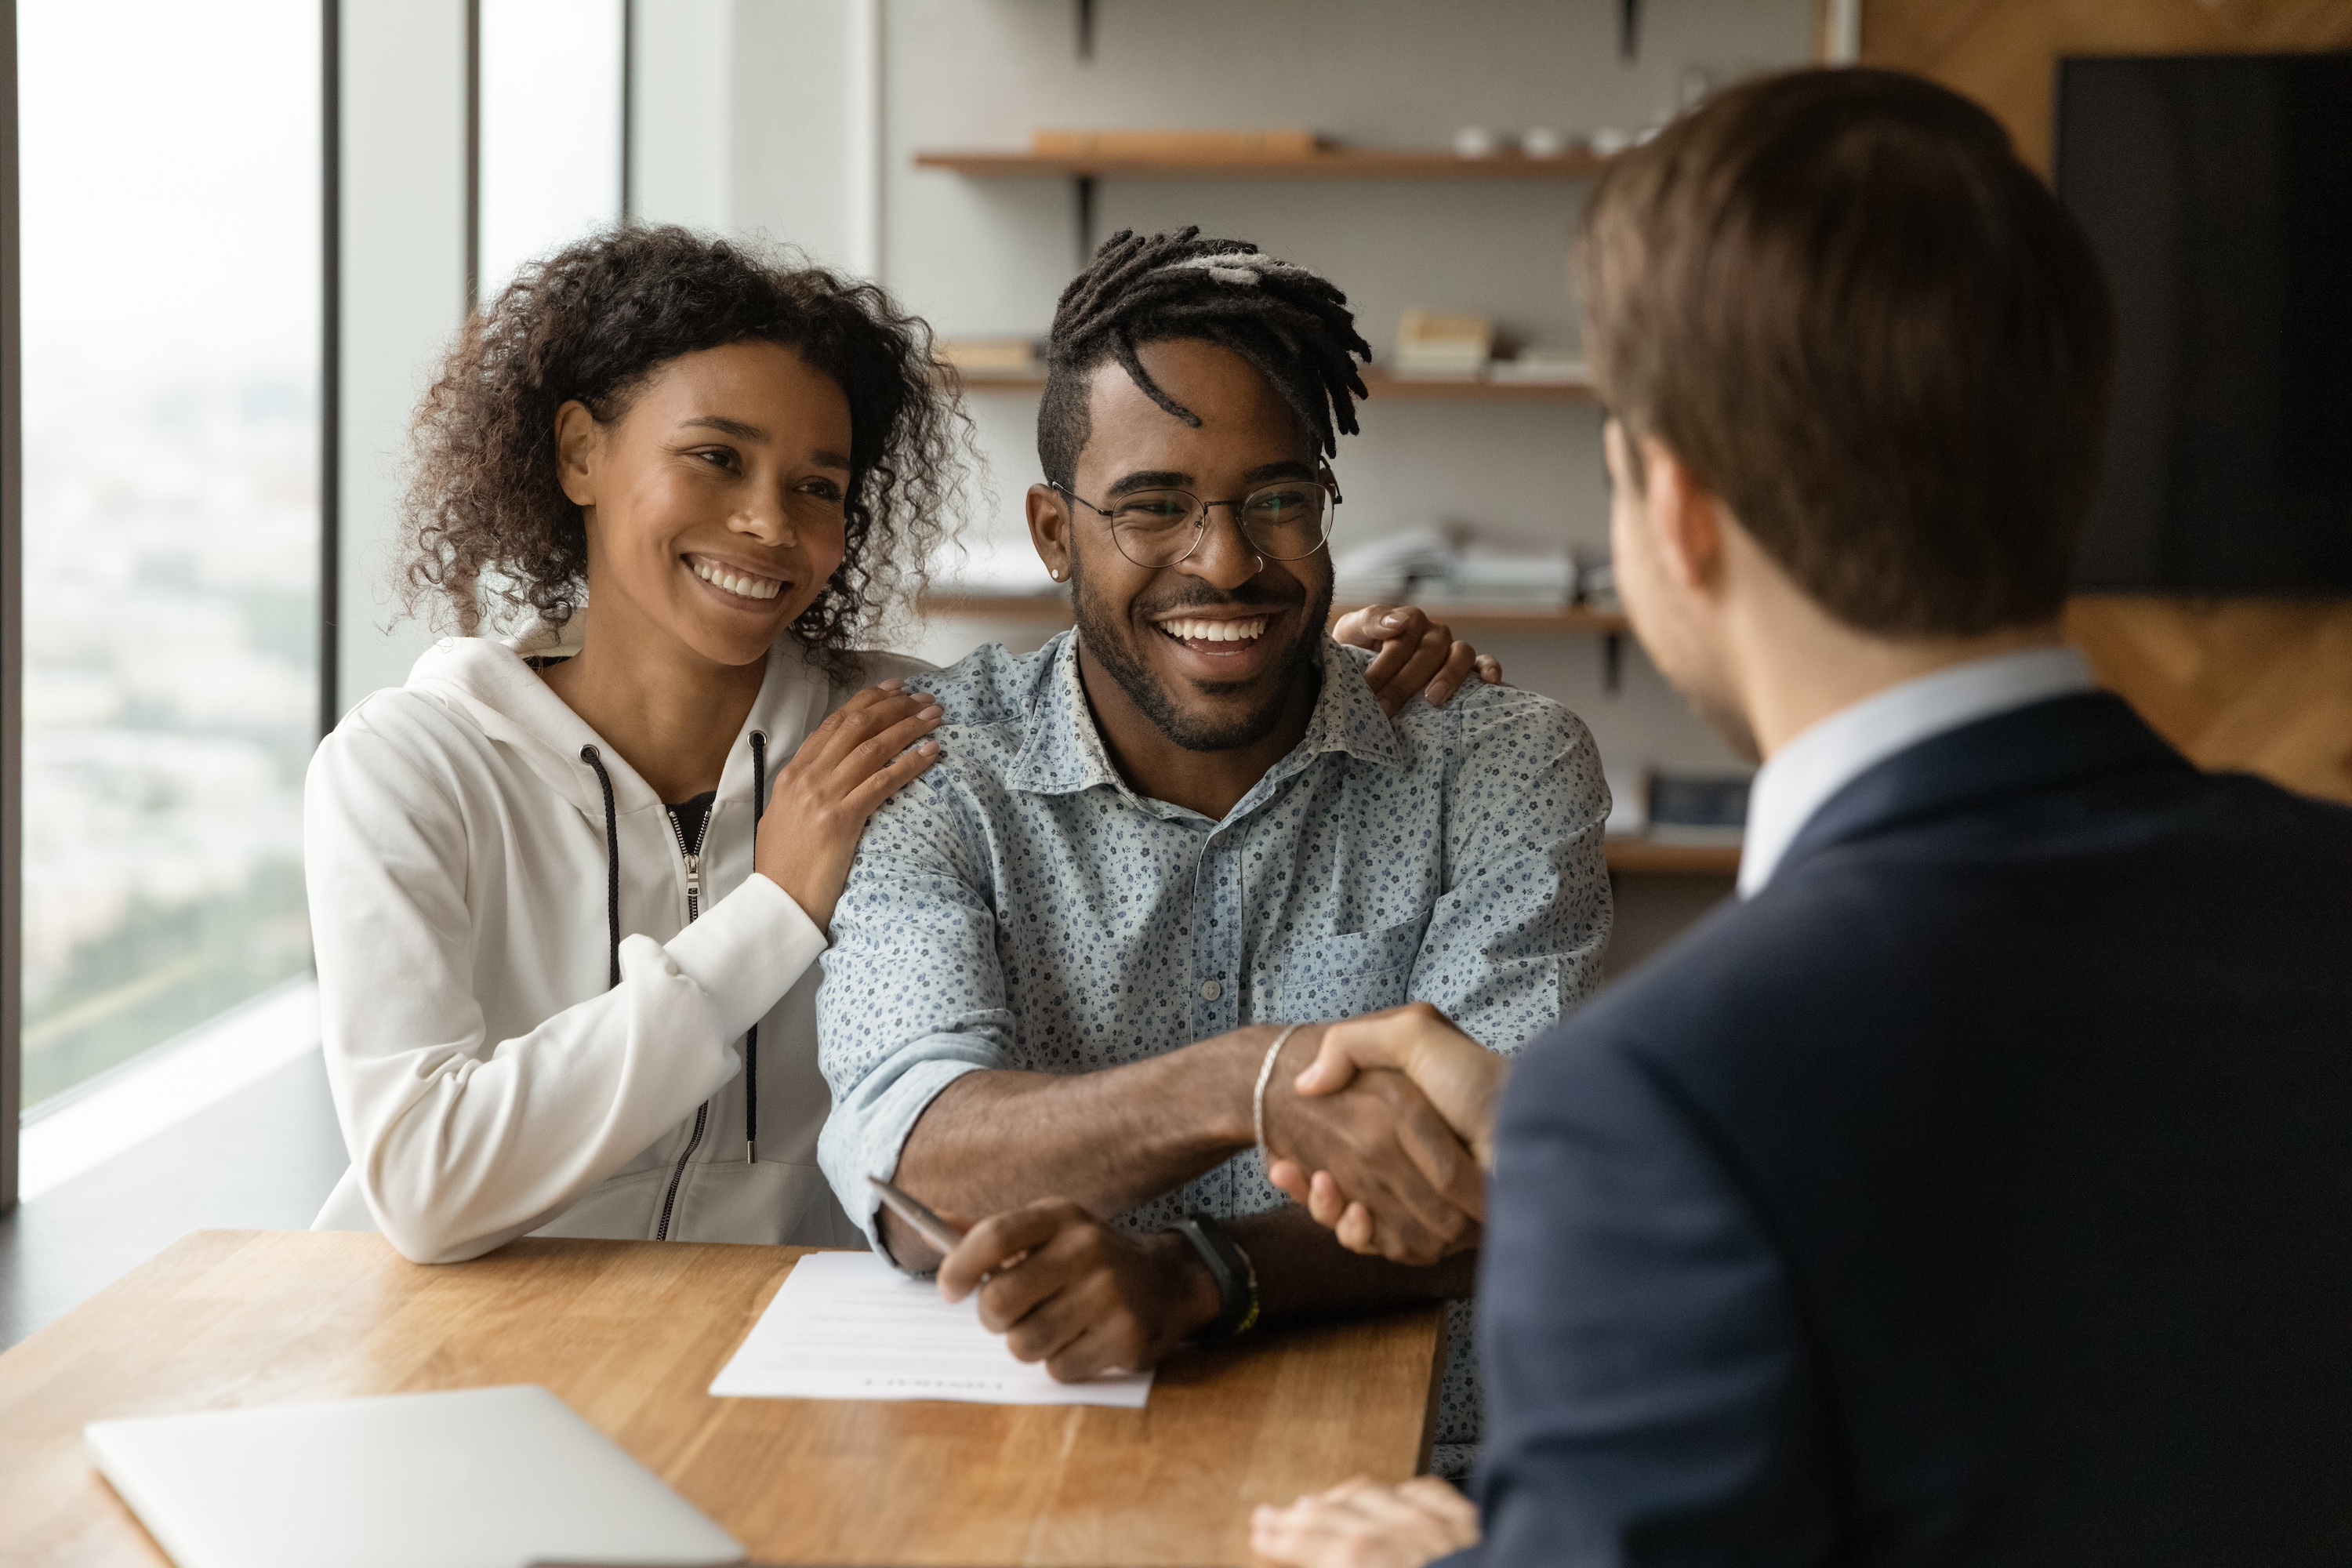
(1101, 633)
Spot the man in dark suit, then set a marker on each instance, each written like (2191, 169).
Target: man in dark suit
(1977, 1188)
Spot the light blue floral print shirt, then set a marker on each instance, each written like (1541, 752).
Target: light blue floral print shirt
(1021, 906)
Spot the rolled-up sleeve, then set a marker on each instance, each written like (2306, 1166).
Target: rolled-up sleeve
(1515, 941)
(914, 992)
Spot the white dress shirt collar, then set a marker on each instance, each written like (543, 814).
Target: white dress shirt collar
(1835, 751)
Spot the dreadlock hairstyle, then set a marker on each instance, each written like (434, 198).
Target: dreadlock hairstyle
(1288, 324)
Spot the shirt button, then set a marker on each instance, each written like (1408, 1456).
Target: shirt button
(1211, 990)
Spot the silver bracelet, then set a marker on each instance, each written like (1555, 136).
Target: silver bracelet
(1258, 1098)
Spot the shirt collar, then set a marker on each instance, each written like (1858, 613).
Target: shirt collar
(1064, 753)
(1835, 751)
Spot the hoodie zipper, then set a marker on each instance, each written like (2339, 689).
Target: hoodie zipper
(692, 854)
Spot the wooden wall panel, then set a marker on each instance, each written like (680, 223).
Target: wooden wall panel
(2003, 52)
(2262, 685)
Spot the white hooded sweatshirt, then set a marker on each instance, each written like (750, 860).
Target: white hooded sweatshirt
(491, 1078)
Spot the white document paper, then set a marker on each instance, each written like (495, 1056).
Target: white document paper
(846, 1325)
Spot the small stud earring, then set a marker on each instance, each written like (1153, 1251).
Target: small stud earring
(1055, 572)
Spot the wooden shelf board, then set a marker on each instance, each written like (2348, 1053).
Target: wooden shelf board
(1642, 857)
(1380, 384)
(998, 607)
(1332, 164)
(1573, 621)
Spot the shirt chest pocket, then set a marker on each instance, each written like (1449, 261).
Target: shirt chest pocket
(1315, 978)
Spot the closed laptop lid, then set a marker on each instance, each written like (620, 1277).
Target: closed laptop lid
(480, 1478)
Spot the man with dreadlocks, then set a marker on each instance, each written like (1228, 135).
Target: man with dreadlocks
(1077, 967)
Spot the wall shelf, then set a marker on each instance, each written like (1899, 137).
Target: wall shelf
(1378, 382)
(1574, 620)
(1325, 164)
(1643, 857)
(1330, 164)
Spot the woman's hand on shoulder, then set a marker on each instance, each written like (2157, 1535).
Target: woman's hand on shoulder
(864, 752)
(1413, 652)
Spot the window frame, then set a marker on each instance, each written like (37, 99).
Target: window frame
(12, 645)
(12, 511)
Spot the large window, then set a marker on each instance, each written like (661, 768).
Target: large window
(171, 269)
(550, 100)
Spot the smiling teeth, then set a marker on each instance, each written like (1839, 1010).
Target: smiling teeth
(735, 582)
(1215, 631)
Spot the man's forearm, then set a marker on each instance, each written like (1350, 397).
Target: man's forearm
(1302, 1271)
(1109, 1140)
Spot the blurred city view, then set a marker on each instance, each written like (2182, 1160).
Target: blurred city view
(171, 262)
(171, 633)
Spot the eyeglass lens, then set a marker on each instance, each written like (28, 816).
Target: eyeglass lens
(1284, 521)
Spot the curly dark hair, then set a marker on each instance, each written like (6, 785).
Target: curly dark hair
(1293, 327)
(491, 535)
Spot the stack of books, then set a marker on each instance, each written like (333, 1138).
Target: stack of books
(1434, 346)
(1541, 367)
(1425, 566)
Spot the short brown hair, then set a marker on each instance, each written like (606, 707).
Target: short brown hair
(1848, 308)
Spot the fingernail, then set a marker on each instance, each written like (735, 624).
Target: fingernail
(922, 697)
(933, 712)
(1392, 619)
(893, 684)
(928, 746)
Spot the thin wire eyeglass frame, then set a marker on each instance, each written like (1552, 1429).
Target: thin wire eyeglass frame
(1200, 520)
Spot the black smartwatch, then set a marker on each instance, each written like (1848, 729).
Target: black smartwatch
(1229, 1266)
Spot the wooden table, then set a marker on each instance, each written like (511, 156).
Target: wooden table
(630, 1333)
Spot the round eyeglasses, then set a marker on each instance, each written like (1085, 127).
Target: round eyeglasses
(1287, 520)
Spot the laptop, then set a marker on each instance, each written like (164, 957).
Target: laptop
(480, 1478)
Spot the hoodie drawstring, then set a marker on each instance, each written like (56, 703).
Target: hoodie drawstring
(611, 860)
(751, 1035)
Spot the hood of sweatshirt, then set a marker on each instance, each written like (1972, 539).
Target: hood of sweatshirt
(487, 680)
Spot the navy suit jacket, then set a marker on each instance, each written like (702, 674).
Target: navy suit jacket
(1978, 1193)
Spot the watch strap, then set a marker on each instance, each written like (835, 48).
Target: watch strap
(1230, 1267)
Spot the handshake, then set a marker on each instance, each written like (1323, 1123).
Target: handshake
(1380, 1128)
(1410, 1188)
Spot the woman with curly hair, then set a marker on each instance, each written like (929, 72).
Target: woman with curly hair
(568, 888)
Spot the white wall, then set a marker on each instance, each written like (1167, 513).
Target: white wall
(550, 129)
(752, 118)
(404, 296)
(797, 127)
(681, 152)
